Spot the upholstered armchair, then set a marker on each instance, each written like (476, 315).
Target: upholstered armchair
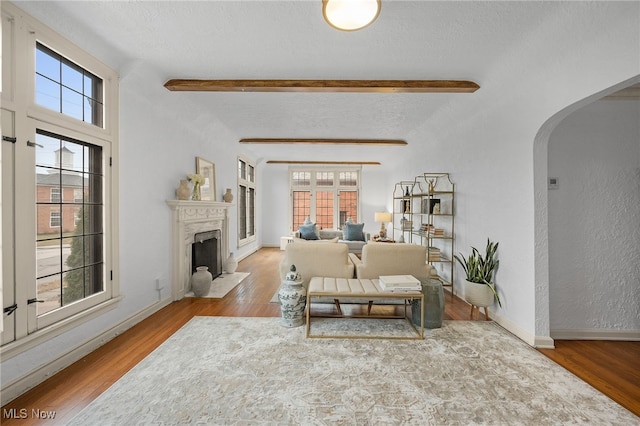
(392, 259)
(317, 259)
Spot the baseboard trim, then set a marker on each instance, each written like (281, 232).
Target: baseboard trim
(539, 342)
(596, 334)
(39, 375)
(247, 254)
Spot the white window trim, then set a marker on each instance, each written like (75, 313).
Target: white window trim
(313, 187)
(19, 99)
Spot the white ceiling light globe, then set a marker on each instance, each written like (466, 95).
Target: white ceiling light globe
(350, 15)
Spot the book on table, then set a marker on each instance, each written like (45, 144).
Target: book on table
(400, 283)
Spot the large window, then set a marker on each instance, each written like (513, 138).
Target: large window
(57, 183)
(327, 196)
(246, 201)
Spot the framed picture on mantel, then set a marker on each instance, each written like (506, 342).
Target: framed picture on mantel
(207, 169)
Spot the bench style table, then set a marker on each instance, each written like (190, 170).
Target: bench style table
(365, 289)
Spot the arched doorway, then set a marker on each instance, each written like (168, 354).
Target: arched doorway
(585, 229)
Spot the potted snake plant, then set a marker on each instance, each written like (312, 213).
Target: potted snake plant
(479, 289)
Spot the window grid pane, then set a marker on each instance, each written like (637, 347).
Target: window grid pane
(67, 88)
(69, 234)
(242, 170)
(324, 209)
(250, 174)
(251, 212)
(348, 206)
(324, 178)
(348, 179)
(301, 207)
(242, 212)
(301, 179)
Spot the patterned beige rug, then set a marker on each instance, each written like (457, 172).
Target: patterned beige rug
(252, 371)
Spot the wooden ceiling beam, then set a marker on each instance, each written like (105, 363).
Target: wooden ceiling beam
(367, 86)
(374, 142)
(358, 163)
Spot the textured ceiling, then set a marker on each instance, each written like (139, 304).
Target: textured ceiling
(290, 40)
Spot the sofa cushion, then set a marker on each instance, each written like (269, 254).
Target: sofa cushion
(327, 234)
(353, 231)
(308, 232)
(321, 240)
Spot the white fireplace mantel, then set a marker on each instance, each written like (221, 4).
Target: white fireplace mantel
(189, 218)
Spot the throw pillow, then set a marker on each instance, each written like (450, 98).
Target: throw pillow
(353, 231)
(308, 232)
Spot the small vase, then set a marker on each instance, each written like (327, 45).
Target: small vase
(231, 264)
(195, 195)
(183, 190)
(201, 281)
(228, 196)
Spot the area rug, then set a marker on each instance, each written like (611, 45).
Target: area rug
(252, 371)
(223, 284)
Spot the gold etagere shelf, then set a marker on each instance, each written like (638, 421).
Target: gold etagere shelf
(423, 213)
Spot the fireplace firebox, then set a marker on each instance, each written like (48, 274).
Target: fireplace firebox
(206, 250)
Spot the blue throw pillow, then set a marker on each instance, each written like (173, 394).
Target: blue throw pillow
(308, 232)
(353, 231)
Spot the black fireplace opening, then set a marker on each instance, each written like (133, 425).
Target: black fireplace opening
(206, 250)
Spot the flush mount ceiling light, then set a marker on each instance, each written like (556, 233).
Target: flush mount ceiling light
(350, 15)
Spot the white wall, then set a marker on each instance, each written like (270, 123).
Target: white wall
(494, 145)
(594, 225)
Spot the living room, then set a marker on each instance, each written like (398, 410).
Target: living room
(536, 65)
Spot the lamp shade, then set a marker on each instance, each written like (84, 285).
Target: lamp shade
(382, 217)
(350, 15)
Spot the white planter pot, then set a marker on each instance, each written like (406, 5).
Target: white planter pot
(478, 294)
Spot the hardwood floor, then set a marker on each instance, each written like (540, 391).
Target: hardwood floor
(611, 367)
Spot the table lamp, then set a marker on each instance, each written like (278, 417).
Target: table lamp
(382, 217)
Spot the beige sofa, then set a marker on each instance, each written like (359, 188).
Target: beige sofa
(317, 259)
(392, 259)
(332, 234)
